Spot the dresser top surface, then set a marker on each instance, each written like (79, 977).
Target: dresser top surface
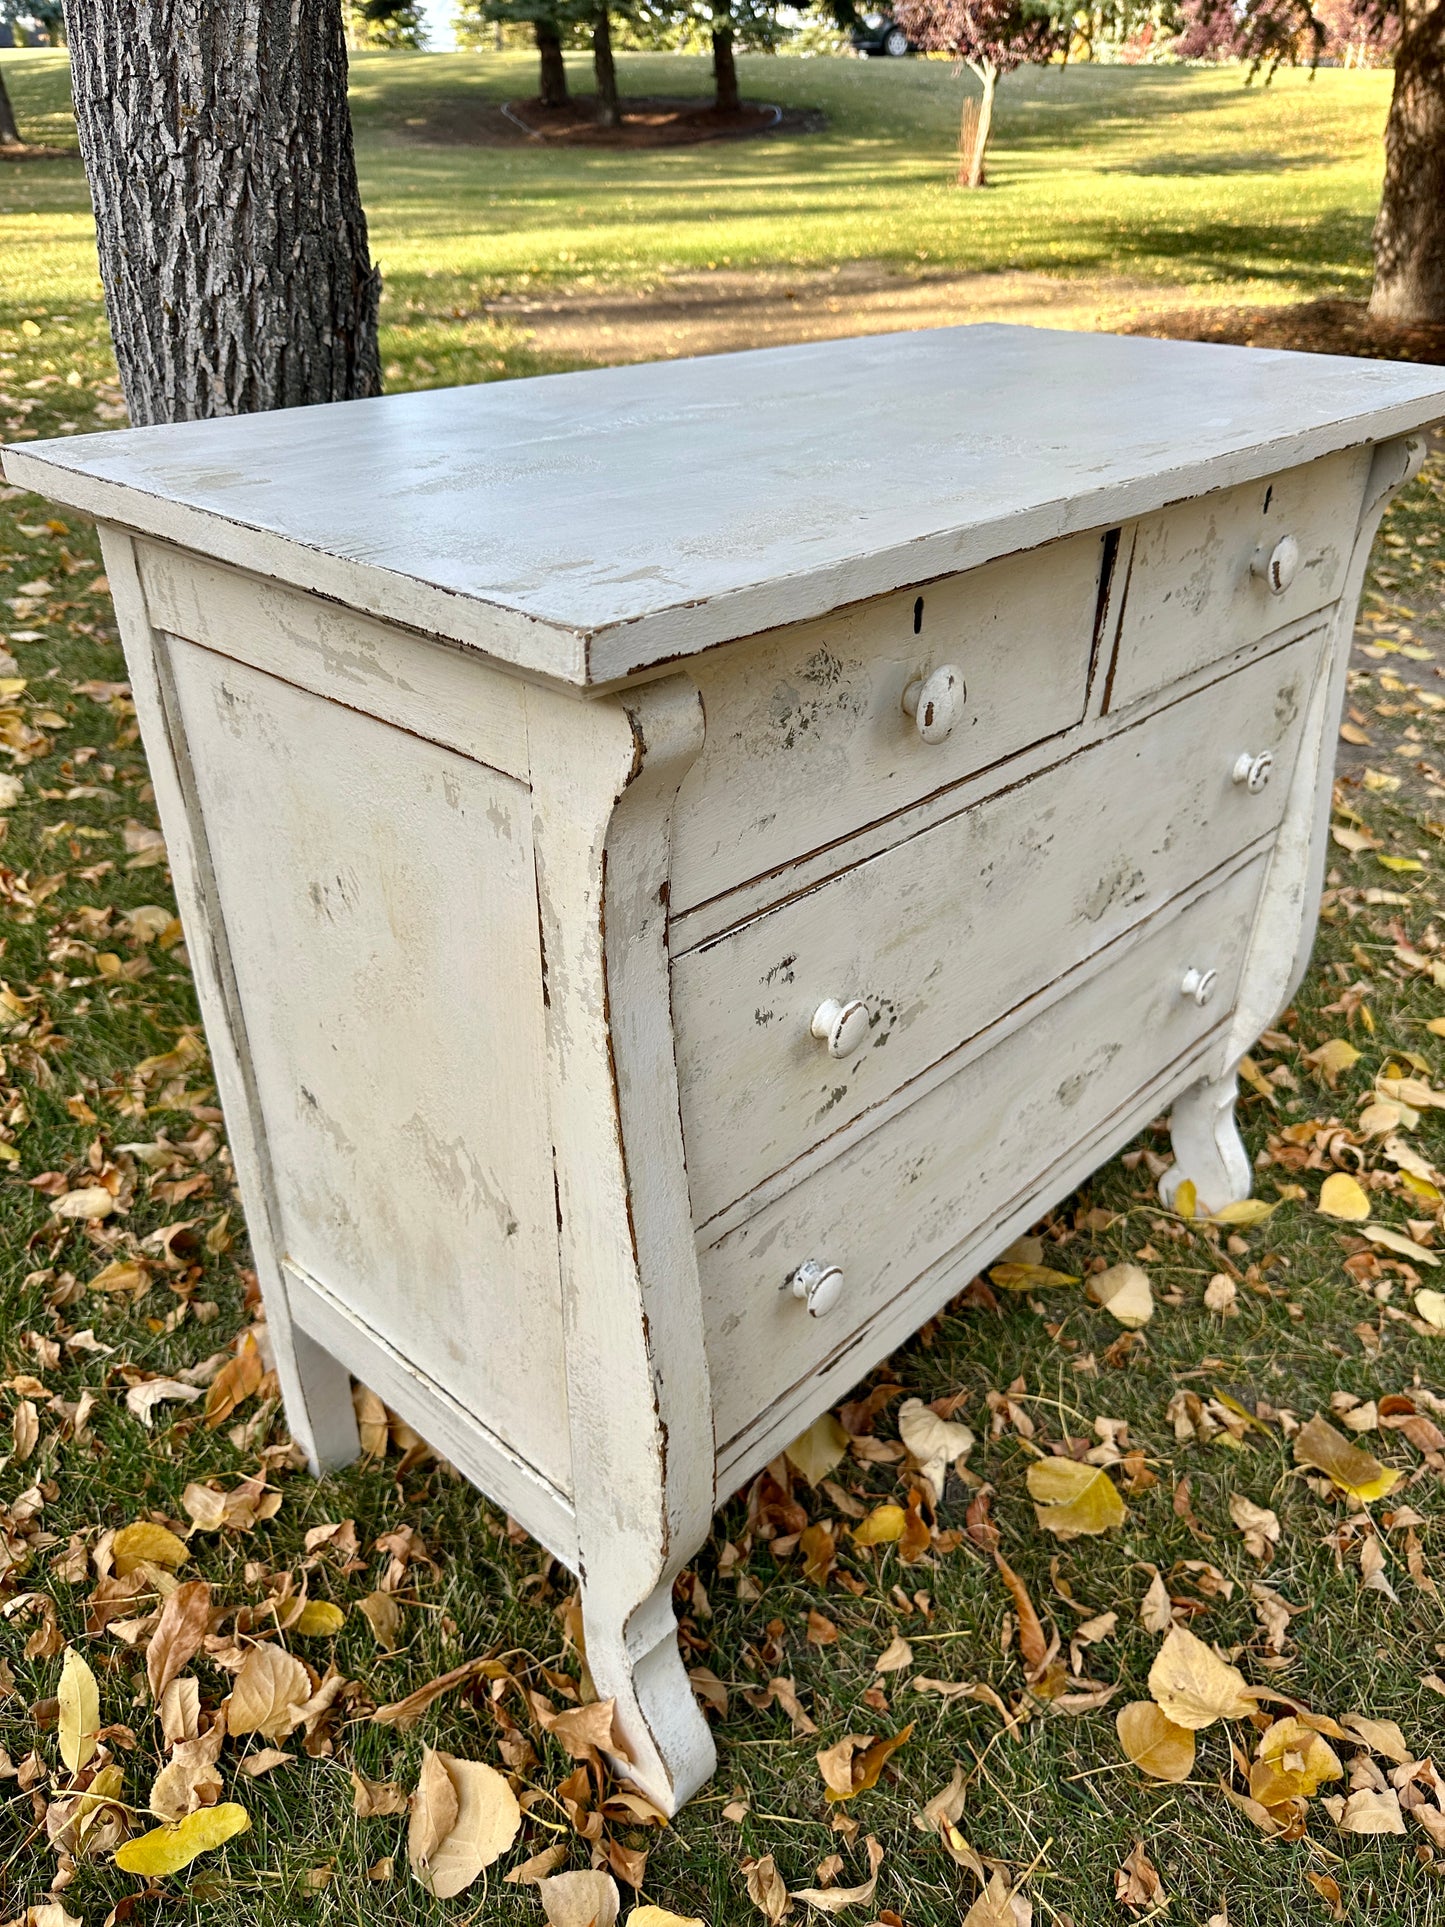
(593, 525)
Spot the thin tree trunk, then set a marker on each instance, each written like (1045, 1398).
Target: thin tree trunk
(9, 131)
(724, 67)
(609, 113)
(976, 177)
(1410, 227)
(232, 242)
(552, 90)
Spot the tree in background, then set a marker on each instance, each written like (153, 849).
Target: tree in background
(384, 24)
(1409, 233)
(549, 23)
(9, 128)
(991, 38)
(229, 226)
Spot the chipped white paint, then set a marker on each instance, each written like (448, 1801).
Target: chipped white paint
(614, 1075)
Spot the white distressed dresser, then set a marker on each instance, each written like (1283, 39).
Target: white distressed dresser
(683, 863)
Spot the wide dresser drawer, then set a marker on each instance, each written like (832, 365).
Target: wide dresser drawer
(922, 947)
(1210, 576)
(808, 734)
(946, 1168)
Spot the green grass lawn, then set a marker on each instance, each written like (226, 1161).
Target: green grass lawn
(1184, 181)
(1177, 177)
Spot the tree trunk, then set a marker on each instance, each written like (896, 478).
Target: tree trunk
(232, 242)
(609, 113)
(974, 140)
(9, 131)
(724, 67)
(552, 89)
(1410, 227)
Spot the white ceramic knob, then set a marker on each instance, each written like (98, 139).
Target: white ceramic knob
(1253, 771)
(818, 1285)
(936, 702)
(1277, 567)
(1199, 984)
(843, 1027)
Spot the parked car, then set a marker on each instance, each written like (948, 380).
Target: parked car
(880, 33)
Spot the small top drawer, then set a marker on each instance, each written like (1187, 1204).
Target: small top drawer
(808, 735)
(1215, 574)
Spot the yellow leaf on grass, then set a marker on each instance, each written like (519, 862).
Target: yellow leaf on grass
(884, 1525)
(1399, 862)
(1073, 1498)
(1336, 1054)
(853, 1765)
(1379, 1234)
(1431, 1307)
(1153, 1742)
(1245, 1212)
(1194, 1686)
(1125, 1293)
(148, 1544)
(1301, 1761)
(1436, 1026)
(318, 1618)
(1321, 1447)
(823, 1446)
(482, 1819)
(1011, 1277)
(79, 1721)
(1342, 1196)
(1186, 1199)
(167, 1849)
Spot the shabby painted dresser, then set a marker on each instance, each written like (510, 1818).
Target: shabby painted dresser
(683, 863)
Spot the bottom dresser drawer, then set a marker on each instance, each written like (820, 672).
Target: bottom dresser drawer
(936, 1174)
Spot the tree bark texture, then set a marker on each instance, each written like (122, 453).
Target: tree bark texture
(552, 84)
(9, 131)
(609, 112)
(232, 242)
(724, 67)
(1410, 227)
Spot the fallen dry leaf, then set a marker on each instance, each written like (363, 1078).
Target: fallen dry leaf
(372, 1799)
(820, 1449)
(999, 1906)
(852, 1765)
(1381, 1736)
(1369, 1812)
(190, 1778)
(1070, 1498)
(464, 1816)
(935, 1443)
(268, 1693)
(832, 1900)
(406, 1712)
(1342, 1196)
(1024, 1277)
(1320, 1446)
(265, 1760)
(1194, 1686)
(1294, 1762)
(583, 1899)
(1137, 1883)
(166, 1850)
(79, 1711)
(766, 1889)
(1153, 1742)
(1431, 1307)
(182, 1626)
(1259, 1525)
(1125, 1293)
(147, 1543)
(650, 1916)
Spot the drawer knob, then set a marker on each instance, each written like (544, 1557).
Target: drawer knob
(842, 1027)
(819, 1285)
(1277, 567)
(936, 702)
(1200, 985)
(1253, 771)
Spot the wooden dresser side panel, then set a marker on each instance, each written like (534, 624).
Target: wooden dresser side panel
(379, 904)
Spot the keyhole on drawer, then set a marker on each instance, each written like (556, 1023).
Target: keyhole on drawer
(918, 617)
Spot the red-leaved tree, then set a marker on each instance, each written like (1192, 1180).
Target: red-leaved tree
(991, 38)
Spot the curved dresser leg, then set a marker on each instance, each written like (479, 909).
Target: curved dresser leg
(634, 1659)
(1207, 1146)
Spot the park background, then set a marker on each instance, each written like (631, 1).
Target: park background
(1161, 197)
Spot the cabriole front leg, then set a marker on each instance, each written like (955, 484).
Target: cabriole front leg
(1208, 1150)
